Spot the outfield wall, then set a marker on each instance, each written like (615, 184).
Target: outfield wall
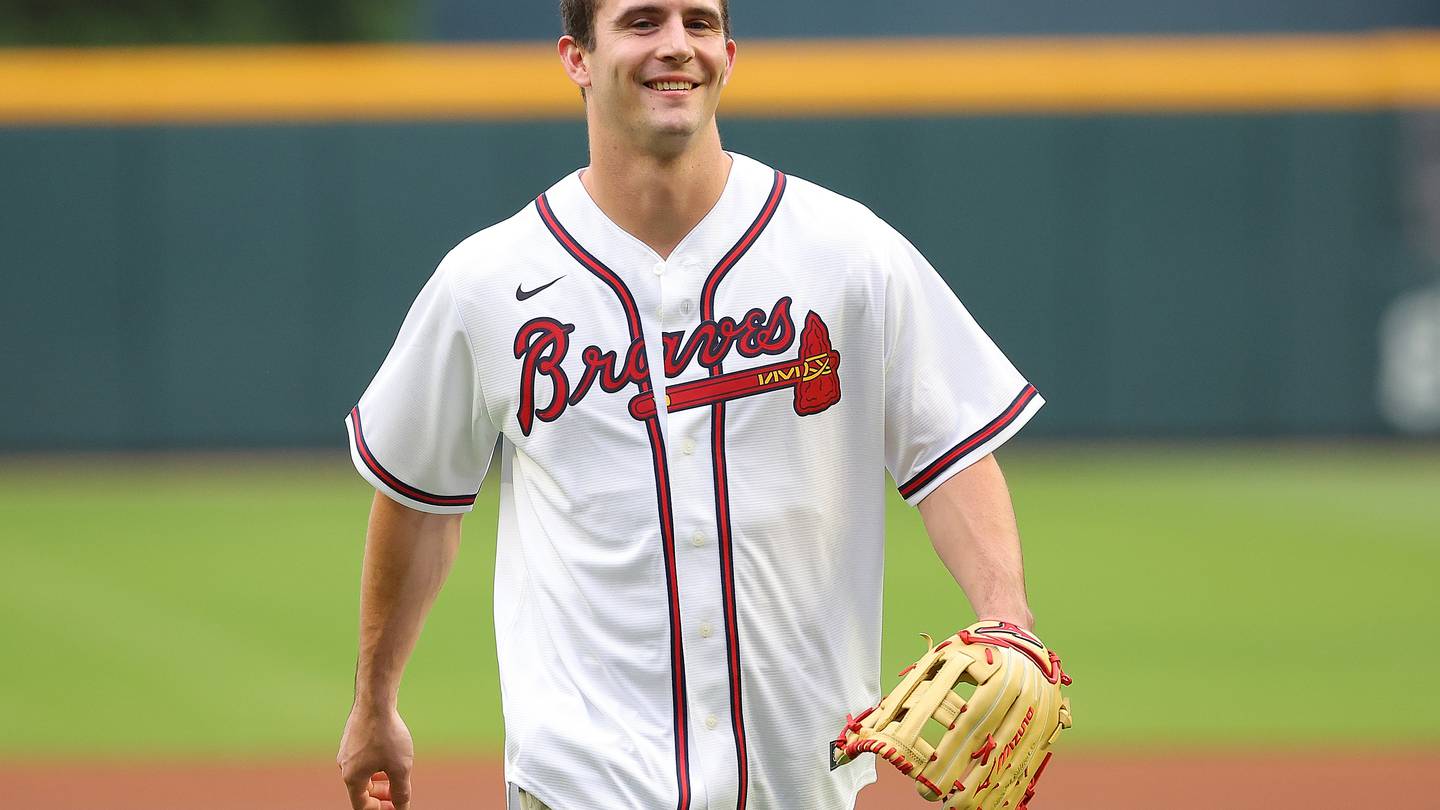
(471, 20)
(1180, 273)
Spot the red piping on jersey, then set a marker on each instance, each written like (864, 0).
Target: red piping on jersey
(979, 437)
(722, 486)
(741, 247)
(594, 265)
(389, 479)
(662, 495)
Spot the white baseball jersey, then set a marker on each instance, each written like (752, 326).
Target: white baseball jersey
(687, 597)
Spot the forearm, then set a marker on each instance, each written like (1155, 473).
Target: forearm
(408, 554)
(971, 523)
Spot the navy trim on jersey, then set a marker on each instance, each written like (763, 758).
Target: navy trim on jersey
(662, 495)
(979, 437)
(389, 479)
(722, 487)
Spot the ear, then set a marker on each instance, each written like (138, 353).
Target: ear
(572, 58)
(729, 61)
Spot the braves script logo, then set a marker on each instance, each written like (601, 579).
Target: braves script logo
(543, 343)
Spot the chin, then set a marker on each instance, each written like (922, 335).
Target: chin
(673, 128)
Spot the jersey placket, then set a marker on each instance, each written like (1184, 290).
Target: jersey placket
(713, 660)
(677, 295)
(638, 297)
(713, 759)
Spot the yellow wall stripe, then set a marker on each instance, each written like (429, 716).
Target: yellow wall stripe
(774, 78)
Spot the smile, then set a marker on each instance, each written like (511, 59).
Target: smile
(671, 86)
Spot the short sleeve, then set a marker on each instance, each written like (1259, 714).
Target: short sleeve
(951, 396)
(420, 433)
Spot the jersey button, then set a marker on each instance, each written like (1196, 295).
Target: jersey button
(698, 539)
(711, 721)
(688, 447)
(705, 630)
(659, 268)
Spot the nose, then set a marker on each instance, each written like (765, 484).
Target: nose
(675, 43)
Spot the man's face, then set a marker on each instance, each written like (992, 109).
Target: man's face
(655, 74)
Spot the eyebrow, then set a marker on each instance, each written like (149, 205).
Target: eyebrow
(701, 11)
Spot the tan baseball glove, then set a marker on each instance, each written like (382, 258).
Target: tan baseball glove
(971, 722)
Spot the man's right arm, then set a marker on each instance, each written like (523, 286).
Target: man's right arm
(408, 554)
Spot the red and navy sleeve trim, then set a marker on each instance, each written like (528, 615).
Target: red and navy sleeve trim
(389, 479)
(968, 446)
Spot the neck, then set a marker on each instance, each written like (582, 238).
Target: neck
(657, 198)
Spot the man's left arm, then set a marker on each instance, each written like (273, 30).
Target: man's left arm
(971, 523)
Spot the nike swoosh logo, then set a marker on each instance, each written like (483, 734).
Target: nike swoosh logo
(522, 294)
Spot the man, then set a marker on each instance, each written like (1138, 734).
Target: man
(700, 369)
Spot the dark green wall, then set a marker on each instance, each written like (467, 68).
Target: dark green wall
(1155, 276)
(540, 20)
(140, 22)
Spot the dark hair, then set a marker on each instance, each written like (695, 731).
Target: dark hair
(577, 19)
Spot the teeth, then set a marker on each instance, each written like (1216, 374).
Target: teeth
(671, 85)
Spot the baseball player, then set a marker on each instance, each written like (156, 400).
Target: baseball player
(698, 369)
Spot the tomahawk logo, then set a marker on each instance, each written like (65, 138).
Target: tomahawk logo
(812, 377)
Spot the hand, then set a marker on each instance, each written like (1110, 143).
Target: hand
(375, 759)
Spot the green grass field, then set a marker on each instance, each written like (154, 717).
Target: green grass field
(1238, 597)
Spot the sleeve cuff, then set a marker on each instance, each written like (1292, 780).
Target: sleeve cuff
(974, 447)
(399, 491)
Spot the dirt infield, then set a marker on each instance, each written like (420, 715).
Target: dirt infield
(1073, 782)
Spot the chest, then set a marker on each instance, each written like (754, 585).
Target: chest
(766, 328)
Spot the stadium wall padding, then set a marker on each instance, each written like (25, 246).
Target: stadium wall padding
(1177, 275)
(469, 20)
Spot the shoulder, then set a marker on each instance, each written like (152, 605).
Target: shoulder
(492, 252)
(812, 209)
(805, 197)
(813, 201)
(479, 280)
(819, 220)
(491, 260)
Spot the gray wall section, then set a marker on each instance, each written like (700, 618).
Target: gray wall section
(1154, 276)
(473, 20)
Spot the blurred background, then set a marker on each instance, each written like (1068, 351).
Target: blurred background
(1209, 233)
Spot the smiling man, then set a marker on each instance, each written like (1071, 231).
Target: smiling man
(699, 370)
